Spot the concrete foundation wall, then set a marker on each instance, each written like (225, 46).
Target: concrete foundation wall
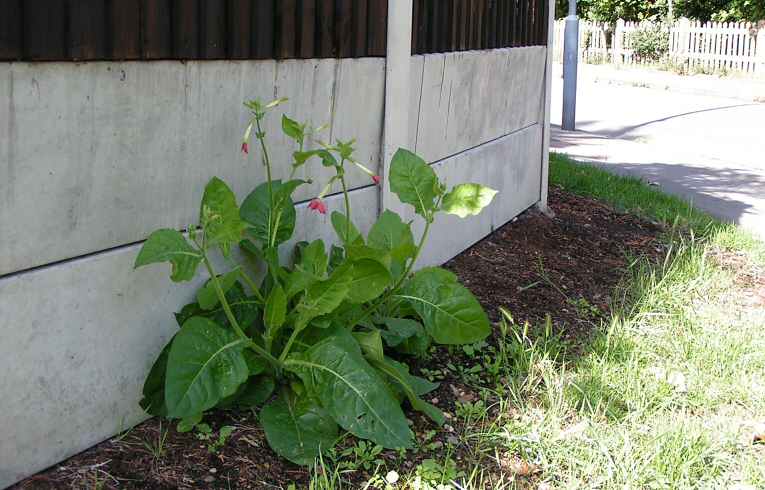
(95, 156)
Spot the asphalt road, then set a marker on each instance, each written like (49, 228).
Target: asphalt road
(707, 148)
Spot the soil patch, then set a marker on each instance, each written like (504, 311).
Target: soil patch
(566, 267)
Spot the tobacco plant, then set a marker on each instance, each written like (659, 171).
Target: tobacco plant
(313, 341)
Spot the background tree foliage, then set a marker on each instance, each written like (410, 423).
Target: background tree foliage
(637, 10)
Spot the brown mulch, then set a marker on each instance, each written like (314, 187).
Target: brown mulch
(566, 267)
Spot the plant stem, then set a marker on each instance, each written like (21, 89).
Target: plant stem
(288, 345)
(267, 163)
(230, 315)
(347, 210)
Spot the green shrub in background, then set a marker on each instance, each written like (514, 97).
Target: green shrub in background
(650, 43)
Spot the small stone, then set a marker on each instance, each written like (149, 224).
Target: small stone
(208, 479)
(437, 445)
(434, 401)
(391, 478)
(213, 470)
(448, 427)
(452, 440)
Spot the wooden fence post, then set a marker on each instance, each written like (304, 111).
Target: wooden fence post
(617, 44)
(759, 54)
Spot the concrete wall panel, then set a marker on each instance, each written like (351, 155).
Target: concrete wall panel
(97, 155)
(461, 100)
(79, 338)
(511, 165)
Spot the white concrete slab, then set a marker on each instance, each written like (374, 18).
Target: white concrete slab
(96, 155)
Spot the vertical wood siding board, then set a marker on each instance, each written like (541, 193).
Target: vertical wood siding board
(87, 24)
(262, 30)
(185, 28)
(307, 29)
(343, 28)
(433, 25)
(239, 29)
(325, 16)
(286, 15)
(11, 20)
(415, 26)
(44, 31)
(454, 28)
(212, 44)
(423, 27)
(480, 25)
(360, 15)
(123, 29)
(157, 29)
(446, 26)
(377, 27)
(464, 24)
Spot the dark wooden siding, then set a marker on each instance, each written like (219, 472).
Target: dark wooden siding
(75, 30)
(458, 25)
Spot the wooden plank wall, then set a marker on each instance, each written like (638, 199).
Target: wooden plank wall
(459, 25)
(74, 30)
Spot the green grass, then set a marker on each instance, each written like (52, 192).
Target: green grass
(664, 396)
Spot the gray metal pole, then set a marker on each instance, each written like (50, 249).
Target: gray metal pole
(570, 59)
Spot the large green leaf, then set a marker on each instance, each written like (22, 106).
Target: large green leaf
(246, 310)
(219, 216)
(252, 393)
(262, 220)
(414, 181)
(352, 391)
(170, 246)
(467, 199)
(324, 296)
(370, 278)
(341, 226)
(207, 296)
(450, 312)
(153, 401)
(393, 235)
(313, 258)
(298, 430)
(204, 366)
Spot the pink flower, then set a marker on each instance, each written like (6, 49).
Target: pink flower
(376, 179)
(245, 148)
(318, 205)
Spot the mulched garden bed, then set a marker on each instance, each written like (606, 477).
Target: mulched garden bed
(566, 267)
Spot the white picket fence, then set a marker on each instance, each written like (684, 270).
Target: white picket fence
(709, 47)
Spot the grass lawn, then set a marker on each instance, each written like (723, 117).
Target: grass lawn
(668, 393)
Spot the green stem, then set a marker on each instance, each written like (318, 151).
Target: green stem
(230, 315)
(288, 345)
(347, 210)
(267, 162)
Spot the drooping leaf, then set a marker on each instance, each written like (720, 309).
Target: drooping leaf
(393, 235)
(352, 391)
(467, 199)
(207, 297)
(292, 129)
(256, 211)
(324, 296)
(298, 430)
(417, 345)
(370, 278)
(341, 226)
(414, 181)
(450, 313)
(298, 281)
(205, 365)
(153, 401)
(420, 386)
(170, 246)
(276, 308)
(400, 329)
(401, 377)
(219, 216)
(246, 310)
(250, 394)
(360, 252)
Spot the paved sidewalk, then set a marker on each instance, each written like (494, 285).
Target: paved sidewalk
(733, 86)
(708, 149)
